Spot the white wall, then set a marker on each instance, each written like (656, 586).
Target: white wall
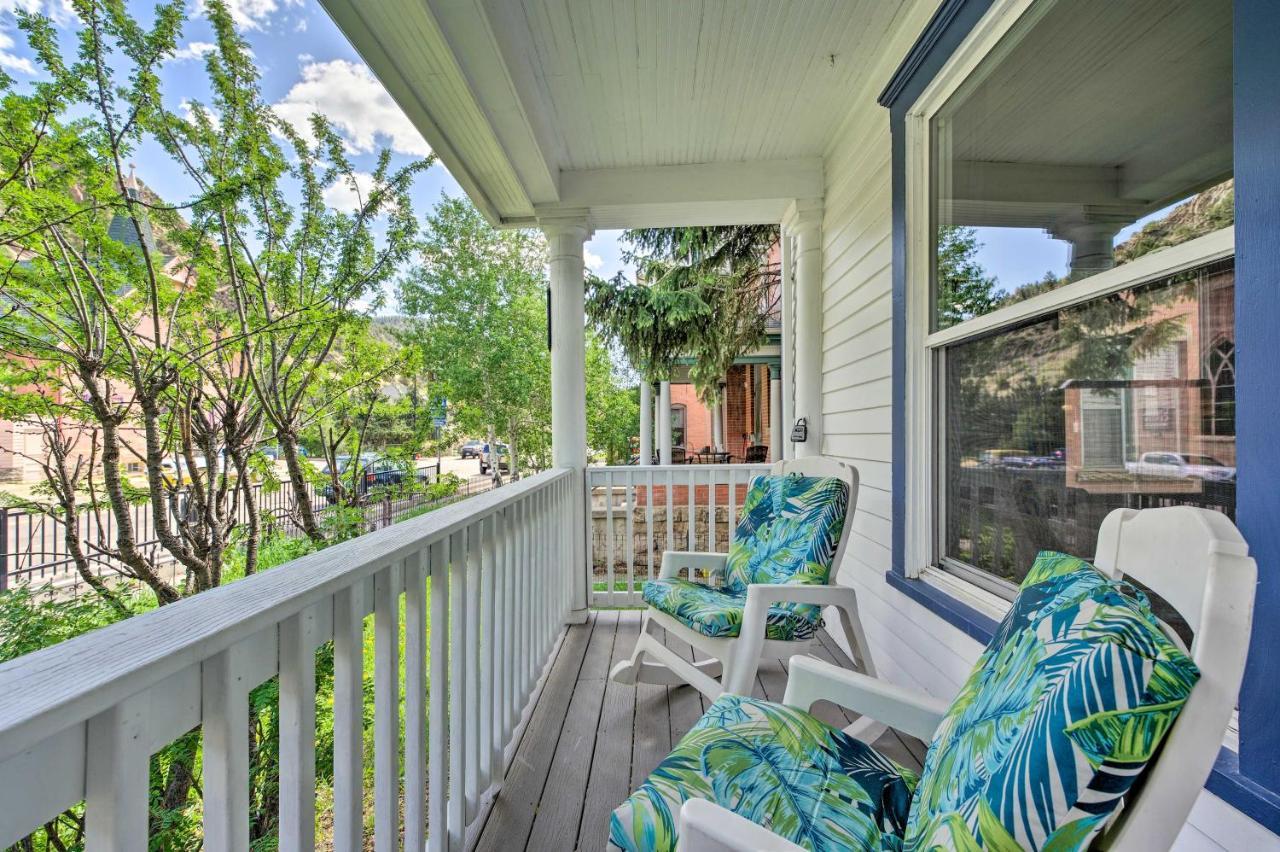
(911, 645)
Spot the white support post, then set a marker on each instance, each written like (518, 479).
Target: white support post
(804, 219)
(717, 424)
(787, 449)
(646, 422)
(566, 234)
(775, 413)
(664, 423)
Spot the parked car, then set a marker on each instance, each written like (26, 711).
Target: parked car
(375, 470)
(472, 449)
(1167, 465)
(486, 459)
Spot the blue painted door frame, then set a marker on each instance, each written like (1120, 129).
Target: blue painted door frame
(1249, 781)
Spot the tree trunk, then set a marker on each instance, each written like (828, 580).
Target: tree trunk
(514, 468)
(297, 481)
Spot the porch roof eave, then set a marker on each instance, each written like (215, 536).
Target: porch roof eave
(457, 81)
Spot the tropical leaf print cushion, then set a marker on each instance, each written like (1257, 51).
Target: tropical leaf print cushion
(712, 612)
(1059, 717)
(778, 767)
(789, 531)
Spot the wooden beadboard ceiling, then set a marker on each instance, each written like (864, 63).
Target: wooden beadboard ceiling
(694, 81)
(513, 93)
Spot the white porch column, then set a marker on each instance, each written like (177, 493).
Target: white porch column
(565, 238)
(785, 449)
(717, 425)
(775, 413)
(664, 423)
(805, 221)
(646, 422)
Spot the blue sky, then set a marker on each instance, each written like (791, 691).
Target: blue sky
(307, 66)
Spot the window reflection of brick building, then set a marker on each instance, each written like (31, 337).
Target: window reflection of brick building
(1169, 426)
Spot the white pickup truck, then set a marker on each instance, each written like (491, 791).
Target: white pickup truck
(1181, 466)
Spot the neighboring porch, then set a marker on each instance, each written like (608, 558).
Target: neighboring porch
(591, 741)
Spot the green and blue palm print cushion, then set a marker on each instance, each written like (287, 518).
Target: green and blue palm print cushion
(778, 767)
(1059, 717)
(789, 531)
(1057, 720)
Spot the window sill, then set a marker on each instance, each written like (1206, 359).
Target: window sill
(1237, 790)
(947, 605)
(972, 610)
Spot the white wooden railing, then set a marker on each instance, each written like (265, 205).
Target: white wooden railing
(637, 512)
(486, 586)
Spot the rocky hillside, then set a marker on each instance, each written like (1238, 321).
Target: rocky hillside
(1210, 210)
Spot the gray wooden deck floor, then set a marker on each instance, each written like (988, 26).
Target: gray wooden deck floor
(591, 741)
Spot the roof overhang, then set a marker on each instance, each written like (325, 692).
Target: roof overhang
(507, 92)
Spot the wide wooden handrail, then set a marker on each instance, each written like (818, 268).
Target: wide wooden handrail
(49, 690)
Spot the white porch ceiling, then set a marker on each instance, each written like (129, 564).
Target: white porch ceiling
(642, 112)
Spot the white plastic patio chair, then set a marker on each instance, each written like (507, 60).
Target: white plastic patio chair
(1197, 561)
(730, 663)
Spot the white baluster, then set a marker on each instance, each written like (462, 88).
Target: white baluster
(438, 730)
(415, 704)
(630, 497)
(348, 719)
(225, 757)
(386, 709)
(458, 720)
(471, 655)
(649, 532)
(298, 636)
(490, 750)
(609, 536)
(117, 778)
(692, 517)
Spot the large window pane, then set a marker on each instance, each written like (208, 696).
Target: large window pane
(1095, 132)
(1128, 400)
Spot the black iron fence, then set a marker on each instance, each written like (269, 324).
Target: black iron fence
(33, 546)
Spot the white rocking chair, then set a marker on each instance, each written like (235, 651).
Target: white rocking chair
(1193, 558)
(732, 662)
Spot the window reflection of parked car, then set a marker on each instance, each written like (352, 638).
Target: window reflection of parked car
(472, 449)
(1181, 466)
(486, 459)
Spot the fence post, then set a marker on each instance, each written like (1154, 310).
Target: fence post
(4, 549)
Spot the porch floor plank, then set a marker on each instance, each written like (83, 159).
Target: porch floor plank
(592, 741)
(511, 819)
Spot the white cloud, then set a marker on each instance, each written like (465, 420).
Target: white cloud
(248, 14)
(341, 196)
(10, 61)
(591, 259)
(59, 10)
(356, 104)
(186, 107)
(193, 50)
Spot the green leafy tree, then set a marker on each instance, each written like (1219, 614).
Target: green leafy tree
(477, 298)
(701, 293)
(964, 289)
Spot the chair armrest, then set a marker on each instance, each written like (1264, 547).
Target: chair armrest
(907, 710)
(768, 594)
(707, 827)
(693, 561)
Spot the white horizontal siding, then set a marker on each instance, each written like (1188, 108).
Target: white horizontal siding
(912, 646)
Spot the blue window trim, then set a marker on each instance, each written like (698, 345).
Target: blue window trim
(1248, 782)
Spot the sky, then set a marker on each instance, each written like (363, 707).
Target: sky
(306, 66)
